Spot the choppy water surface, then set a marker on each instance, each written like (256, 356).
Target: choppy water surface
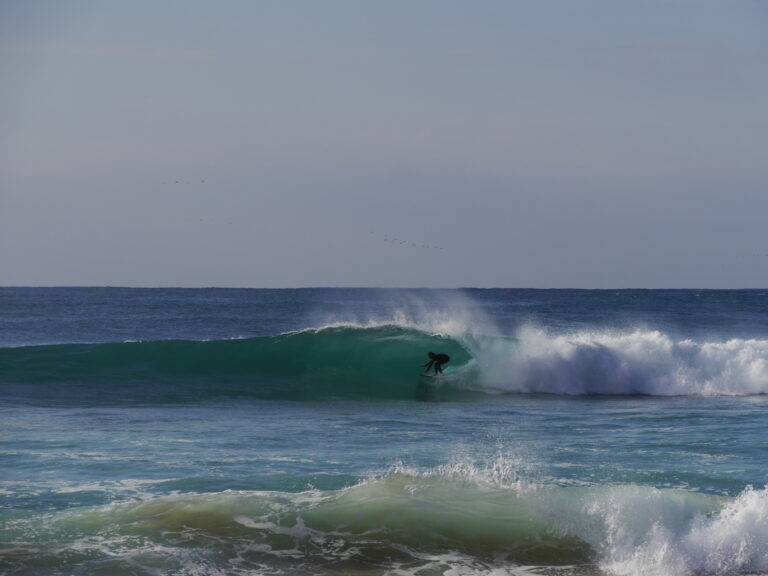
(289, 432)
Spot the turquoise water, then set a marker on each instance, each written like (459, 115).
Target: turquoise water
(289, 432)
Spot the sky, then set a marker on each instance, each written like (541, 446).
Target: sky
(399, 143)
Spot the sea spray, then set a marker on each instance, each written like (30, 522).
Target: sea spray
(651, 531)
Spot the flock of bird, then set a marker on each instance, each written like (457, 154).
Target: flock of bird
(386, 238)
(409, 243)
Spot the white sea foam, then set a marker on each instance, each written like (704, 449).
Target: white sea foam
(633, 362)
(667, 533)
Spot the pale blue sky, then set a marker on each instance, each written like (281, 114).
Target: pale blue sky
(394, 143)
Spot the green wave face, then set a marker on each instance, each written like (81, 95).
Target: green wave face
(378, 523)
(430, 523)
(378, 362)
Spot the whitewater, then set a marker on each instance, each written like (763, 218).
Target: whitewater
(213, 431)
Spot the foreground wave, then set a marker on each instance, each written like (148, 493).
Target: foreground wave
(451, 520)
(385, 361)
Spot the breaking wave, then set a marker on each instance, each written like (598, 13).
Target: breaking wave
(460, 518)
(384, 362)
(646, 362)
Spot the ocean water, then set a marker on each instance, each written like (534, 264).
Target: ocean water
(213, 432)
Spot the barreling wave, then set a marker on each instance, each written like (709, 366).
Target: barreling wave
(384, 361)
(346, 361)
(456, 519)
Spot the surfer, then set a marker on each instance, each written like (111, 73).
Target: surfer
(438, 360)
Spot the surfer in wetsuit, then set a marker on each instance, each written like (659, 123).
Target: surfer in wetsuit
(438, 360)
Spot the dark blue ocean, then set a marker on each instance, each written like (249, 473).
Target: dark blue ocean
(268, 432)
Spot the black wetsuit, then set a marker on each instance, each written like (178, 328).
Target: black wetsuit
(438, 360)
